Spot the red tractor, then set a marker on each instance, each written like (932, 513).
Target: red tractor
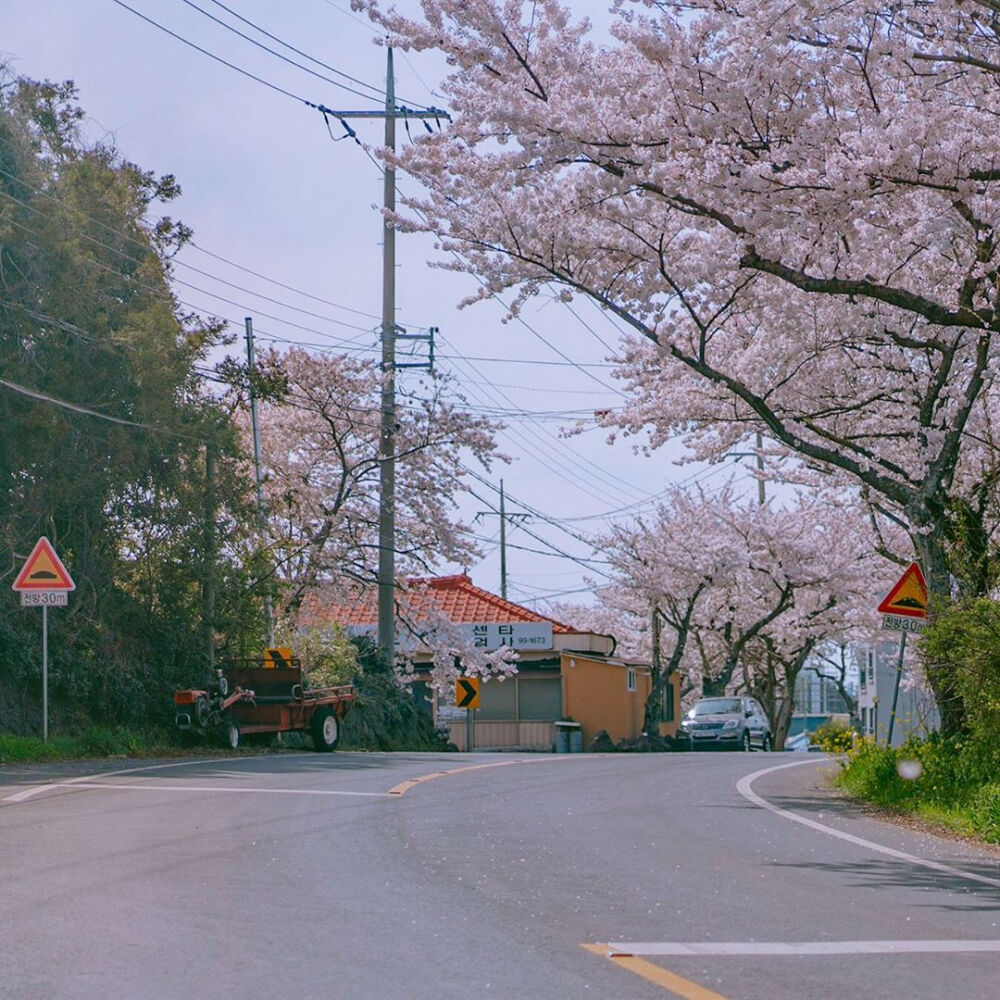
(249, 701)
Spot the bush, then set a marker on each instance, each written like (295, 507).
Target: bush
(985, 813)
(384, 715)
(870, 773)
(953, 780)
(96, 741)
(833, 738)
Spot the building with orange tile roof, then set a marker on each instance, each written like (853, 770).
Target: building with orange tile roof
(562, 670)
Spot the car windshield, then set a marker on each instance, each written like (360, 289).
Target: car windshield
(717, 706)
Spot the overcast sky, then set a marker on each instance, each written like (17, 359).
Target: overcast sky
(266, 188)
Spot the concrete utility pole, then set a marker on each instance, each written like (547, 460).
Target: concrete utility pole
(758, 454)
(387, 434)
(504, 518)
(261, 520)
(760, 468)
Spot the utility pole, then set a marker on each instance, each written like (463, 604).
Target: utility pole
(387, 433)
(504, 517)
(261, 520)
(760, 468)
(758, 454)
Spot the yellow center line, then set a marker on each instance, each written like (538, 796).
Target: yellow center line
(677, 985)
(404, 786)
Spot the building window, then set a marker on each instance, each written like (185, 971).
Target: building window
(630, 679)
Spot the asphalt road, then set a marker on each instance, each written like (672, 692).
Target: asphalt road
(535, 877)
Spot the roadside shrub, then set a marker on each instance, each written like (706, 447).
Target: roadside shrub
(950, 780)
(17, 749)
(985, 813)
(833, 738)
(870, 773)
(384, 715)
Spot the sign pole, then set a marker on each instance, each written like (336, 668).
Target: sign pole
(44, 581)
(45, 673)
(895, 690)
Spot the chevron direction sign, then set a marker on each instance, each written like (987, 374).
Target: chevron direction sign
(467, 692)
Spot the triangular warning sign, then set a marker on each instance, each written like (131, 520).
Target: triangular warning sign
(908, 597)
(43, 570)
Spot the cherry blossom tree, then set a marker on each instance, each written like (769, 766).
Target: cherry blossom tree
(792, 208)
(427, 637)
(319, 444)
(747, 592)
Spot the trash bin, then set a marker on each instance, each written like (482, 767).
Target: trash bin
(569, 737)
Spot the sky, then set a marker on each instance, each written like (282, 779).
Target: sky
(287, 230)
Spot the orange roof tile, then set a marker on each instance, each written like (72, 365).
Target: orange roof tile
(456, 597)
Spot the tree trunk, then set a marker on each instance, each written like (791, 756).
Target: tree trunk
(781, 723)
(934, 563)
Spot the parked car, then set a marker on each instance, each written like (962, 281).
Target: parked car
(726, 724)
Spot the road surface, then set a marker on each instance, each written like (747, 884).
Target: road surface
(431, 877)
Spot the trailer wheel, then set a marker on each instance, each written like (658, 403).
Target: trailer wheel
(232, 734)
(325, 730)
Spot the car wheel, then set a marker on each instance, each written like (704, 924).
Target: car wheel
(746, 741)
(325, 730)
(766, 743)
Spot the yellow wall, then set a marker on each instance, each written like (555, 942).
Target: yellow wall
(595, 695)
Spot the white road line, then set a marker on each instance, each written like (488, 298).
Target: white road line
(727, 948)
(743, 786)
(126, 787)
(27, 793)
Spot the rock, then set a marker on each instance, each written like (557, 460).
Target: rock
(602, 743)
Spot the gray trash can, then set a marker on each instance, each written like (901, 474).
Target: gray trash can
(569, 737)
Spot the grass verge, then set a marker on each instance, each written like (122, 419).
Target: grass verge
(97, 741)
(950, 783)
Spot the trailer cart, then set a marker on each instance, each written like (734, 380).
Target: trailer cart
(249, 702)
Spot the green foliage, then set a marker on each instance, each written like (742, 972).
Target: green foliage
(21, 749)
(937, 778)
(151, 508)
(985, 812)
(384, 715)
(94, 741)
(328, 657)
(833, 738)
(962, 640)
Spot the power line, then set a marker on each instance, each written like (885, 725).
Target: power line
(587, 564)
(145, 248)
(212, 55)
(291, 62)
(176, 260)
(554, 459)
(305, 55)
(64, 404)
(273, 281)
